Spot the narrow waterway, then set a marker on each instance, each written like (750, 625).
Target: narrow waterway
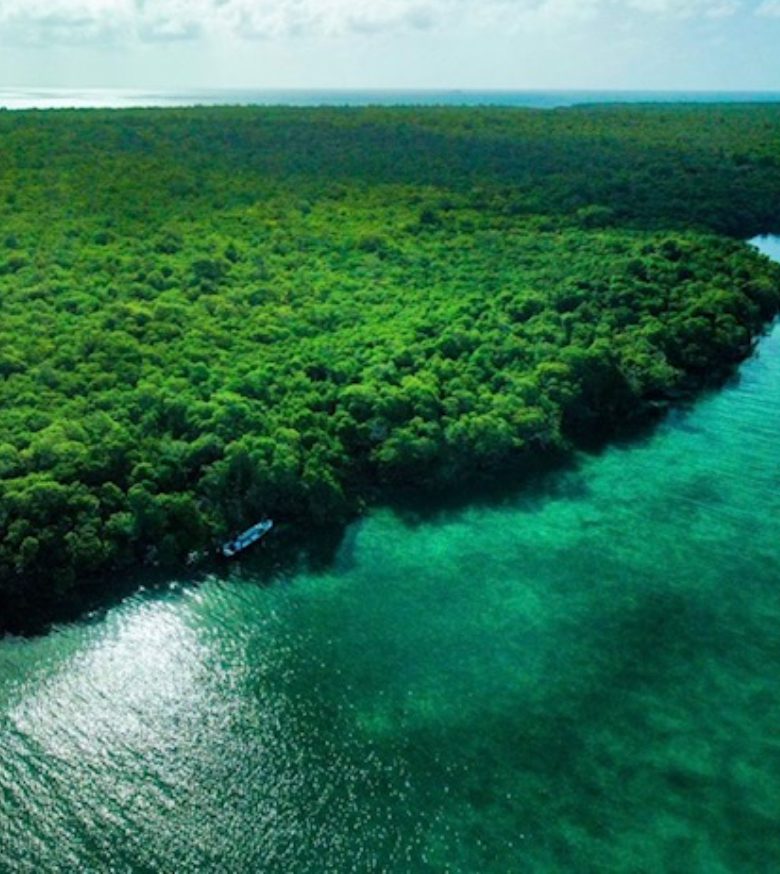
(582, 677)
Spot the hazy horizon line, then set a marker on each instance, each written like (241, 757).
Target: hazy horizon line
(448, 89)
(20, 98)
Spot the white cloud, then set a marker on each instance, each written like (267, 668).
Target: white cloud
(61, 20)
(49, 22)
(90, 20)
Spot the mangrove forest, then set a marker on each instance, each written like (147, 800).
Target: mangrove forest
(212, 314)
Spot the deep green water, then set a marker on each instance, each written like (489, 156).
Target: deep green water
(582, 677)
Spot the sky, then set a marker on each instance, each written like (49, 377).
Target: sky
(437, 44)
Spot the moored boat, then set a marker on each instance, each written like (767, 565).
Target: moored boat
(232, 548)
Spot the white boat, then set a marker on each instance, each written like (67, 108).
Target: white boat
(231, 548)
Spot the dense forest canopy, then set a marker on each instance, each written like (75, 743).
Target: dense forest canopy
(210, 314)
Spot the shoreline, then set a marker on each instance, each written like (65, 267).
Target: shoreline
(291, 547)
(302, 331)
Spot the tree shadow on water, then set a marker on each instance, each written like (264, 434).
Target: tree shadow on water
(524, 487)
(274, 559)
(298, 546)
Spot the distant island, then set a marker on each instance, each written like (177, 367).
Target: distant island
(208, 315)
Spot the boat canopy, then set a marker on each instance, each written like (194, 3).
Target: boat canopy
(247, 538)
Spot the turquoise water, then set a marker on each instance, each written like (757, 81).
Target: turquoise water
(51, 98)
(583, 676)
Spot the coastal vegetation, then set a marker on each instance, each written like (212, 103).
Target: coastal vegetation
(211, 314)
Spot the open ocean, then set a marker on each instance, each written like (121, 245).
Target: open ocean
(62, 98)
